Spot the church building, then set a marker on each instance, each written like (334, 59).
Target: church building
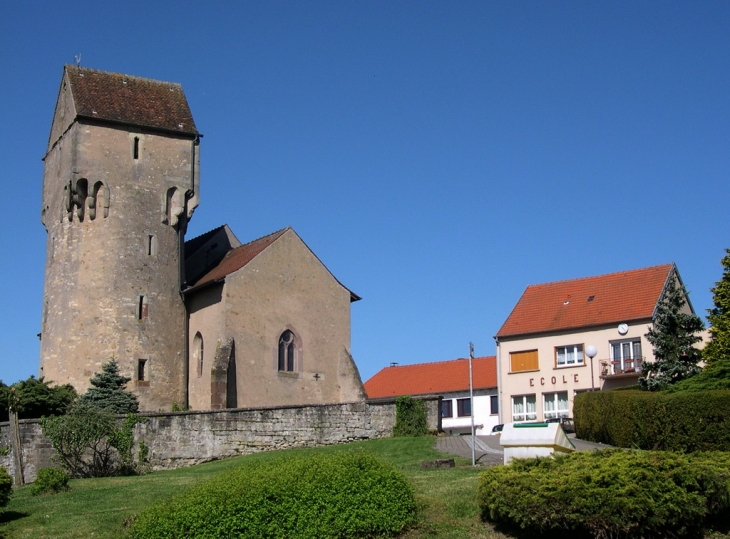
(210, 323)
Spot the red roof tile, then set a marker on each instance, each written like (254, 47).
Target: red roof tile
(432, 378)
(236, 258)
(588, 301)
(130, 100)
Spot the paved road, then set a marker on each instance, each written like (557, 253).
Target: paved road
(488, 450)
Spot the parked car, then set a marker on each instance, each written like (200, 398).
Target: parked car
(566, 422)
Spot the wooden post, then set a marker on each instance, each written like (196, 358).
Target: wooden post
(15, 439)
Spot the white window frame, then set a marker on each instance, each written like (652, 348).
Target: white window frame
(553, 406)
(524, 407)
(624, 361)
(571, 355)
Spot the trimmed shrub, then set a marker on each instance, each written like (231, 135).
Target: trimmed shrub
(6, 487)
(611, 493)
(50, 480)
(687, 421)
(339, 495)
(410, 417)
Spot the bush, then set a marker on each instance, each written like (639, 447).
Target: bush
(611, 493)
(683, 421)
(6, 487)
(50, 480)
(90, 442)
(410, 417)
(336, 495)
(714, 376)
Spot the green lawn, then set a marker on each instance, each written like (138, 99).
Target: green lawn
(99, 507)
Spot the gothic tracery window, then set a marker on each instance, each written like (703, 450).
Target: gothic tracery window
(287, 351)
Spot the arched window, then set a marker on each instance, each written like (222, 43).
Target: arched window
(198, 352)
(287, 351)
(79, 193)
(98, 201)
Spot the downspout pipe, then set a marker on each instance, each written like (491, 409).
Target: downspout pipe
(182, 284)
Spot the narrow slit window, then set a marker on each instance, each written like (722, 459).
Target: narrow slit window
(135, 149)
(141, 370)
(151, 245)
(142, 308)
(198, 352)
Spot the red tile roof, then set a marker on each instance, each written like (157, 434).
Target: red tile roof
(130, 100)
(236, 258)
(432, 378)
(589, 301)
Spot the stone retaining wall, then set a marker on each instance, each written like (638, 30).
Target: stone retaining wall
(185, 438)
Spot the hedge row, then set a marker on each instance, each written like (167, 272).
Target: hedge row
(611, 493)
(696, 421)
(338, 495)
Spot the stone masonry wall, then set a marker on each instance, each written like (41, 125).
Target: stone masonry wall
(37, 449)
(186, 438)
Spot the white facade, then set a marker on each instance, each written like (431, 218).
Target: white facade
(456, 412)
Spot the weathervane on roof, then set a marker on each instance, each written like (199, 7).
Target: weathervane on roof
(77, 60)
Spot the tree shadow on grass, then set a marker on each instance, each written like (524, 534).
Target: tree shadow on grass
(9, 516)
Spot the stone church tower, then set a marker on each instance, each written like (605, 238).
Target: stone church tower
(121, 181)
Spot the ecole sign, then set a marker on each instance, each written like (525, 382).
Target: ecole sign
(554, 380)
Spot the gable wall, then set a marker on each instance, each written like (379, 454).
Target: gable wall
(286, 287)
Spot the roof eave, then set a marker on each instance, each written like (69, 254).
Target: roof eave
(206, 284)
(185, 134)
(572, 329)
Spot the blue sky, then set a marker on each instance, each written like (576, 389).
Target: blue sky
(437, 156)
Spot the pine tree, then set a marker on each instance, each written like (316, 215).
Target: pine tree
(107, 391)
(673, 336)
(718, 349)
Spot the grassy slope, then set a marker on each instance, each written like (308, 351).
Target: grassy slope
(99, 507)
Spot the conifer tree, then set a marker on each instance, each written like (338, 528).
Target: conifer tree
(673, 336)
(107, 391)
(718, 349)
(37, 398)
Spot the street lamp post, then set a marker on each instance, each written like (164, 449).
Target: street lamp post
(591, 353)
(471, 402)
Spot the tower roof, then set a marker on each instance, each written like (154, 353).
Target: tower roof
(129, 100)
